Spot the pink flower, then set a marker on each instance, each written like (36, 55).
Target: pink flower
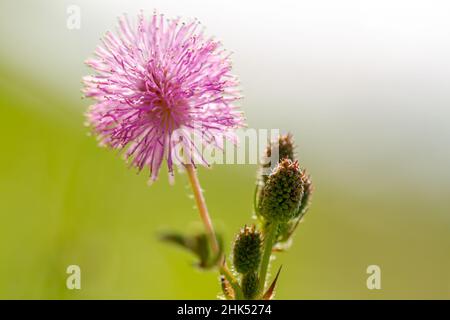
(155, 82)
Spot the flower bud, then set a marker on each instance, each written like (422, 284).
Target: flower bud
(282, 193)
(247, 250)
(249, 285)
(285, 149)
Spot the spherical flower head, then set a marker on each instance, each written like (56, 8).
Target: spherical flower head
(247, 250)
(155, 83)
(282, 193)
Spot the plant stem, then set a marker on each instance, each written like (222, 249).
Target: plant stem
(206, 219)
(269, 238)
(201, 205)
(255, 199)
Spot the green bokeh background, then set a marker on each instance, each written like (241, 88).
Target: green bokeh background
(382, 178)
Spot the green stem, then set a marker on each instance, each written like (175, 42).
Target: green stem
(255, 199)
(206, 219)
(269, 239)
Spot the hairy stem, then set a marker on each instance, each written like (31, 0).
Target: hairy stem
(269, 238)
(255, 199)
(206, 219)
(201, 205)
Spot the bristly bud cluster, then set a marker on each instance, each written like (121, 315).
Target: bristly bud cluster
(282, 197)
(247, 250)
(285, 194)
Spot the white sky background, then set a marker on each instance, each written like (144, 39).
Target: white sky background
(359, 82)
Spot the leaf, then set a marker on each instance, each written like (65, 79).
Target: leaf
(198, 245)
(285, 241)
(271, 290)
(232, 281)
(227, 289)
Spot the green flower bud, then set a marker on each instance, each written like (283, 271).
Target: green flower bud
(282, 193)
(286, 229)
(285, 149)
(249, 285)
(247, 250)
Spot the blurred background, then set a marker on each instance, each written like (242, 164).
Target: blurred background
(364, 87)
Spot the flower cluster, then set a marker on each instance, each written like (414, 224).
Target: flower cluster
(283, 197)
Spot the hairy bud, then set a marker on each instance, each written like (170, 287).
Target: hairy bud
(247, 250)
(282, 193)
(250, 284)
(286, 229)
(285, 149)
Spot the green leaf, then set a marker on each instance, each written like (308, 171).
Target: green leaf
(198, 245)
